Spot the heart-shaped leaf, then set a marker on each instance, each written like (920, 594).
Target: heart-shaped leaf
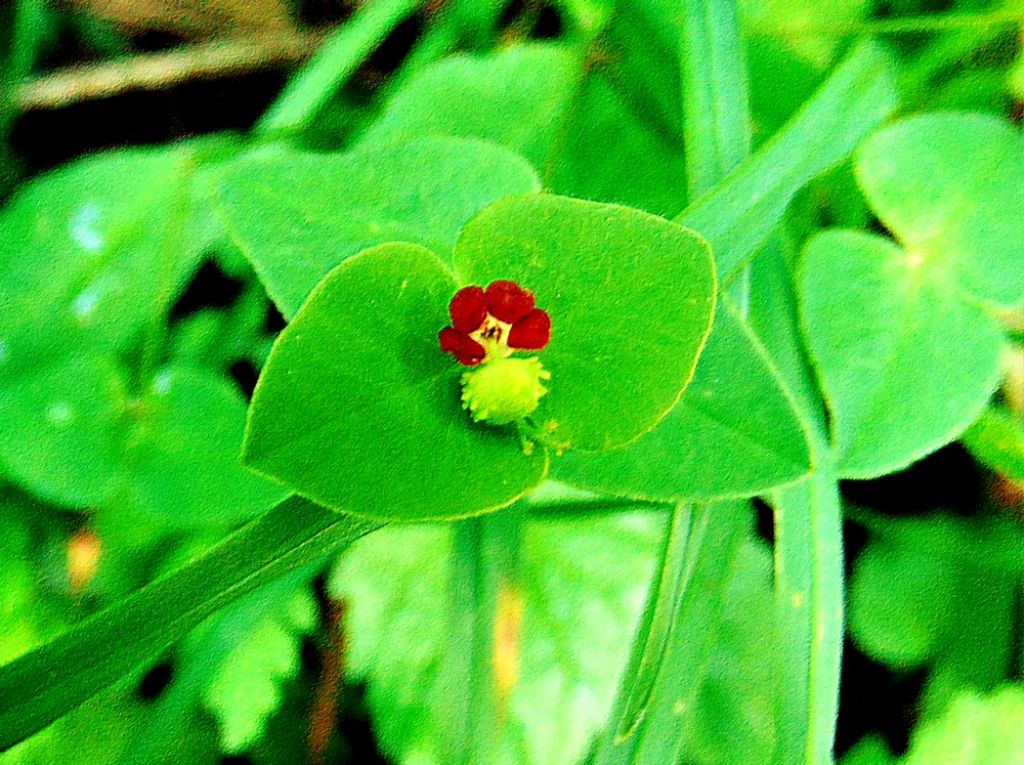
(906, 364)
(949, 186)
(631, 298)
(733, 433)
(358, 409)
(296, 215)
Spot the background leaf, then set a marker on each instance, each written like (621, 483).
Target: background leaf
(944, 184)
(297, 215)
(63, 430)
(583, 583)
(516, 97)
(889, 333)
(121, 227)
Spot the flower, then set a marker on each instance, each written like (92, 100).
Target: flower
(488, 326)
(493, 323)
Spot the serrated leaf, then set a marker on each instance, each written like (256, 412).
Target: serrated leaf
(297, 215)
(264, 638)
(888, 332)
(946, 184)
(583, 584)
(631, 298)
(357, 381)
(294, 534)
(975, 730)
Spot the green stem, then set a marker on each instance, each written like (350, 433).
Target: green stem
(485, 605)
(338, 58)
(898, 26)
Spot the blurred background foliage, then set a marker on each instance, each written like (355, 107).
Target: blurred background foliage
(132, 331)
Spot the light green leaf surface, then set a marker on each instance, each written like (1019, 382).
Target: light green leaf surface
(734, 432)
(264, 640)
(91, 252)
(45, 684)
(516, 97)
(182, 460)
(947, 185)
(62, 430)
(297, 215)
(975, 730)
(583, 583)
(938, 592)
(996, 439)
(645, 170)
(357, 382)
(905, 363)
(738, 215)
(631, 298)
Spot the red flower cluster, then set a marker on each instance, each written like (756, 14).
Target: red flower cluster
(493, 322)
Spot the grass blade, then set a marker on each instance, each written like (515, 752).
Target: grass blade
(737, 216)
(38, 688)
(338, 58)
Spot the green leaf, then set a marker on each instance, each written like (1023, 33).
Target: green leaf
(975, 730)
(997, 440)
(357, 381)
(62, 430)
(870, 750)
(515, 97)
(297, 215)
(946, 184)
(631, 298)
(244, 684)
(24, 617)
(181, 459)
(645, 170)
(899, 602)
(889, 333)
(733, 433)
(938, 592)
(582, 589)
(119, 224)
(737, 216)
(45, 684)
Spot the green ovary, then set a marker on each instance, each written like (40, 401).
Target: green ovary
(502, 391)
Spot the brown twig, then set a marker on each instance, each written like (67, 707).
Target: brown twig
(325, 703)
(155, 71)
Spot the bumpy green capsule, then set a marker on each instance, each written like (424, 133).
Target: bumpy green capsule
(503, 391)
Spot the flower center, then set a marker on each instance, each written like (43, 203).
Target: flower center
(493, 336)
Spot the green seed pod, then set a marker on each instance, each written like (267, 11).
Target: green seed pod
(504, 390)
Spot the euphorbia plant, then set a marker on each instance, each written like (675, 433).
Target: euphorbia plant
(360, 369)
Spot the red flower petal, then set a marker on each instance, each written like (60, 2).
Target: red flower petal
(507, 301)
(532, 332)
(468, 309)
(467, 350)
